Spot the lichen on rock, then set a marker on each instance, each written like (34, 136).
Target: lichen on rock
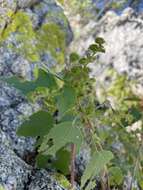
(30, 36)
(26, 28)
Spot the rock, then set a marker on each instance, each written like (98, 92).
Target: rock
(15, 57)
(14, 172)
(26, 3)
(82, 159)
(124, 46)
(13, 109)
(42, 180)
(123, 35)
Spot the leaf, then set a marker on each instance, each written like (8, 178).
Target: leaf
(136, 113)
(42, 161)
(115, 176)
(100, 41)
(94, 47)
(66, 100)
(68, 117)
(96, 164)
(91, 185)
(38, 124)
(44, 80)
(62, 134)
(83, 60)
(74, 57)
(62, 161)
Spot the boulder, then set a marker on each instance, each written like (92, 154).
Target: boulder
(25, 25)
(14, 172)
(123, 35)
(21, 24)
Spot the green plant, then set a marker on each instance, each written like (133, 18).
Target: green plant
(72, 115)
(67, 93)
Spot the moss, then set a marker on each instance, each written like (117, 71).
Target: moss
(32, 44)
(61, 2)
(62, 180)
(2, 188)
(21, 28)
(51, 38)
(57, 16)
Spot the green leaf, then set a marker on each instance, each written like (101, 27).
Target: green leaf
(38, 124)
(91, 185)
(115, 176)
(62, 161)
(74, 57)
(100, 41)
(97, 48)
(66, 100)
(42, 161)
(96, 164)
(83, 61)
(62, 134)
(44, 80)
(94, 47)
(136, 113)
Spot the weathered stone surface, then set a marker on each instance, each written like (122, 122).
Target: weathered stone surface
(123, 35)
(82, 160)
(13, 108)
(14, 172)
(39, 12)
(42, 180)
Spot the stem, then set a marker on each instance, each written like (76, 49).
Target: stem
(73, 154)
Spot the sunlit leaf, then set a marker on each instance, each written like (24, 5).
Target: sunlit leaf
(61, 134)
(38, 124)
(96, 164)
(44, 80)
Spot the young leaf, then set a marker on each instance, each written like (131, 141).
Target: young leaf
(66, 100)
(115, 176)
(44, 80)
(74, 57)
(38, 124)
(96, 164)
(100, 41)
(62, 134)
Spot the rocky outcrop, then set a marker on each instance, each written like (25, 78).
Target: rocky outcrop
(14, 172)
(17, 42)
(24, 26)
(42, 180)
(124, 45)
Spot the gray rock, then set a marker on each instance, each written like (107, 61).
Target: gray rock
(14, 60)
(13, 109)
(42, 180)
(14, 172)
(82, 159)
(123, 35)
(27, 3)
